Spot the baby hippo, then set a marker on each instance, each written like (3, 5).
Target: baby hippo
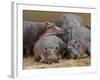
(76, 49)
(48, 49)
(73, 51)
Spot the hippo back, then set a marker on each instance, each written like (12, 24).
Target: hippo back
(31, 31)
(69, 20)
(50, 42)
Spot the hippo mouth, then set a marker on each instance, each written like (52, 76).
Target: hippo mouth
(50, 61)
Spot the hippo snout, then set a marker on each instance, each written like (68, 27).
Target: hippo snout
(59, 30)
(52, 59)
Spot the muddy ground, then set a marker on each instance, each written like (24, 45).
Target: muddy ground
(29, 63)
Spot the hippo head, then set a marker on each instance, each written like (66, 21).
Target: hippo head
(52, 29)
(73, 51)
(52, 55)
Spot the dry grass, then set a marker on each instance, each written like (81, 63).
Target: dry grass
(29, 63)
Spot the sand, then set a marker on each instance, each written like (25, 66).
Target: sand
(29, 63)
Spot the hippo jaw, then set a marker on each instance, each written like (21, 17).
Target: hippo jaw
(52, 61)
(52, 57)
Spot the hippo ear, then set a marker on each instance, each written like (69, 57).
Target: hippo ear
(47, 22)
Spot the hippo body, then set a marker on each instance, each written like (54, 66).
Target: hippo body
(48, 49)
(74, 29)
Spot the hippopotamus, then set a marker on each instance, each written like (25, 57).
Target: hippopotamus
(72, 50)
(72, 26)
(32, 32)
(48, 49)
(76, 49)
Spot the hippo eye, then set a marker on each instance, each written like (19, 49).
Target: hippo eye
(56, 49)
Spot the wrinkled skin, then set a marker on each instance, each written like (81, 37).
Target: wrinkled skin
(48, 49)
(74, 30)
(33, 30)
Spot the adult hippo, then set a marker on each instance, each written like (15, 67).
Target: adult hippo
(48, 49)
(74, 30)
(32, 31)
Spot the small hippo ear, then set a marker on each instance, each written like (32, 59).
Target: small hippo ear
(47, 23)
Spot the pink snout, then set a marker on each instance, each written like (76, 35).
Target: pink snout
(59, 30)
